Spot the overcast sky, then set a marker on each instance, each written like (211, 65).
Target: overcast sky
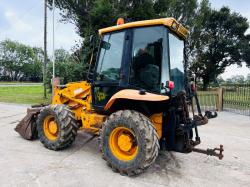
(22, 20)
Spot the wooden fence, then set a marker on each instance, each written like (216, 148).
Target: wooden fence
(236, 98)
(233, 98)
(211, 100)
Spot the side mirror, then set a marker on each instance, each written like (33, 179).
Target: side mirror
(105, 45)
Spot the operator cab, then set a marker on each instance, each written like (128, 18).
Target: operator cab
(140, 55)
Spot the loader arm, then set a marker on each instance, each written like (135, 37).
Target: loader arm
(76, 95)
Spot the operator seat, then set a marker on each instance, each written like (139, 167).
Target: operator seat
(145, 72)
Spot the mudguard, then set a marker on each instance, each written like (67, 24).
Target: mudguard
(135, 95)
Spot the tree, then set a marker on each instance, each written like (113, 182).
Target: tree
(194, 42)
(246, 52)
(222, 42)
(229, 80)
(248, 78)
(220, 80)
(183, 11)
(66, 67)
(33, 71)
(90, 15)
(238, 79)
(19, 62)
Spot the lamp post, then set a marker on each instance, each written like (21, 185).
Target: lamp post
(53, 23)
(45, 49)
(55, 81)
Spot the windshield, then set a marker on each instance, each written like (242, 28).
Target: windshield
(110, 58)
(176, 56)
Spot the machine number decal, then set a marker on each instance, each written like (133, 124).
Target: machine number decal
(100, 95)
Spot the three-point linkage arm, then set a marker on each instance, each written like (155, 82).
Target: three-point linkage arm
(211, 152)
(201, 120)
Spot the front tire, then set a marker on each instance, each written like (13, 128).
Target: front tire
(129, 142)
(57, 127)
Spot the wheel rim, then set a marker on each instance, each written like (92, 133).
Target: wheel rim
(50, 128)
(123, 144)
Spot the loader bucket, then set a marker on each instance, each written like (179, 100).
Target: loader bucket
(27, 126)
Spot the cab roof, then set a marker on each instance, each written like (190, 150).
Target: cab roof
(170, 23)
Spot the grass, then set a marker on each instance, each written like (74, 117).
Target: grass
(207, 100)
(15, 82)
(23, 95)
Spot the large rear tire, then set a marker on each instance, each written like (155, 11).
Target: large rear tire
(57, 127)
(129, 142)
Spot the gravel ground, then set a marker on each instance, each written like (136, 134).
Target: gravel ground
(28, 163)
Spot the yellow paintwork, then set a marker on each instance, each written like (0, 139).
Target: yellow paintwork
(77, 96)
(181, 31)
(157, 121)
(53, 127)
(125, 142)
(50, 128)
(121, 143)
(92, 121)
(134, 95)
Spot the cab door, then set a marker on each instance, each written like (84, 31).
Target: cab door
(108, 70)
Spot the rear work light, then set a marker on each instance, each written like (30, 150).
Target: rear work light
(193, 87)
(170, 85)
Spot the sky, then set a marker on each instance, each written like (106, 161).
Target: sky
(22, 20)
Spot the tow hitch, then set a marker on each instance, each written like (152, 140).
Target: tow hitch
(211, 152)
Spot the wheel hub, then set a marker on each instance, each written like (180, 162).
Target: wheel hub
(122, 143)
(53, 127)
(125, 142)
(50, 128)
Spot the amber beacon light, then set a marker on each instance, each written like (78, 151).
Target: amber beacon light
(120, 21)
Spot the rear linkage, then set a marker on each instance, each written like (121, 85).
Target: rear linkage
(183, 139)
(211, 152)
(204, 119)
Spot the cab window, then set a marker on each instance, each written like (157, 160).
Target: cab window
(147, 57)
(110, 58)
(176, 55)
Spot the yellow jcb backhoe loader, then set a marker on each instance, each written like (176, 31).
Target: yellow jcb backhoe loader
(135, 99)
